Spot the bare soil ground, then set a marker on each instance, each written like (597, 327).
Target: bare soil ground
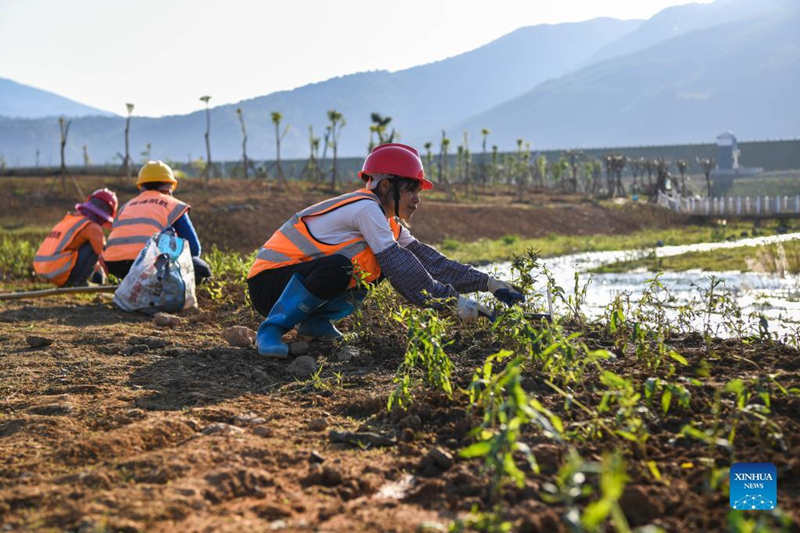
(119, 425)
(109, 422)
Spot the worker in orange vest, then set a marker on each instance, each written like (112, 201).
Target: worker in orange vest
(152, 211)
(69, 254)
(306, 272)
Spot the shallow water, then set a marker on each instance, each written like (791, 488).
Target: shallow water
(770, 296)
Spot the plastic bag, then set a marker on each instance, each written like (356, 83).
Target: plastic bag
(160, 279)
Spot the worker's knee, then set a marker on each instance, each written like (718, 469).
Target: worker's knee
(82, 269)
(330, 276)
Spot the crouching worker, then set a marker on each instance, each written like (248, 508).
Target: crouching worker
(152, 211)
(305, 274)
(70, 252)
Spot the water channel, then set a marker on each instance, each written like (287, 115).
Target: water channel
(774, 298)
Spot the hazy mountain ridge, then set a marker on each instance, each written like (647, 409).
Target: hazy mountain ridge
(18, 100)
(736, 69)
(420, 99)
(678, 20)
(738, 76)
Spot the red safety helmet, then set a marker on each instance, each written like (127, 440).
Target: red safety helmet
(102, 203)
(396, 159)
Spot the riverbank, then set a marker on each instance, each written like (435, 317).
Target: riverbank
(484, 251)
(782, 258)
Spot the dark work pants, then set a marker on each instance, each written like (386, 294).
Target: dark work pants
(201, 269)
(325, 278)
(84, 265)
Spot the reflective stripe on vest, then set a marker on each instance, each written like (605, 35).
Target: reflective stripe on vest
(52, 260)
(148, 213)
(293, 242)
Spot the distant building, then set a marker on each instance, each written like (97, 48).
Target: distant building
(728, 158)
(727, 152)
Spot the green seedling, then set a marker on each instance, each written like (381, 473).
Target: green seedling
(424, 352)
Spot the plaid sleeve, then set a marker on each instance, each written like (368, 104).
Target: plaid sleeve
(409, 277)
(463, 278)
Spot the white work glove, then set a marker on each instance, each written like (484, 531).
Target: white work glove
(505, 292)
(469, 310)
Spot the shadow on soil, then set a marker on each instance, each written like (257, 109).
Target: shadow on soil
(185, 377)
(191, 377)
(72, 315)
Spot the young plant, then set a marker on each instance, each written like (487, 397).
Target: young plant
(505, 408)
(425, 352)
(622, 393)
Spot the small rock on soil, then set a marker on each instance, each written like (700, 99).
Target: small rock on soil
(54, 409)
(166, 320)
(240, 336)
(317, 424)
(316, 457)
(249, 419)
(298, 348)
(222, 429)
(152, 343)
(263, 431)
(347, 353)
(302, 367)
(35, 341)
(361, 438)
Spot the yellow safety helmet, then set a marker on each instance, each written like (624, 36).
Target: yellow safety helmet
(156, 172)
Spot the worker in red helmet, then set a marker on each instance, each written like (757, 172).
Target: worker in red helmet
(306, 273)
(72, 251)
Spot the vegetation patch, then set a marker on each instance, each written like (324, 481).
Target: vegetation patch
(782, 258)
(485, 251)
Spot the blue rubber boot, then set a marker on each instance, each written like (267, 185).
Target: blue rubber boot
(294, 305)
(318, 325)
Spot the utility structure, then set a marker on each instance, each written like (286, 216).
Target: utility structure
(615, 163)
(63, 129)
(574, 157)
(240, 115)
(484, 165)
(682, 165)
(336, 121)
(127, 162)
(707, 164)
(442, 164)
(311, 170)
(276, 120)
(209, 169)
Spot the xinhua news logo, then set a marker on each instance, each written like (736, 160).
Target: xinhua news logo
(753, 486)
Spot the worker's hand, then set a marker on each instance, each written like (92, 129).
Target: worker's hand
(505, 292)
(469, 310)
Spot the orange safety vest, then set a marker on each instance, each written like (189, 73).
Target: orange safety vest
(149, 213)
(293, 242)
(55, 259)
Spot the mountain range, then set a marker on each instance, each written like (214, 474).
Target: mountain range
(23, 101)
(740, 76)
(684, 75)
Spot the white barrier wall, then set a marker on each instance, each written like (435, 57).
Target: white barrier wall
(733, 205)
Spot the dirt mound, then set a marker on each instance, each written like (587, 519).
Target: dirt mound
(240, 215)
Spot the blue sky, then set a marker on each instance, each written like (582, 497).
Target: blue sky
(163, 55)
